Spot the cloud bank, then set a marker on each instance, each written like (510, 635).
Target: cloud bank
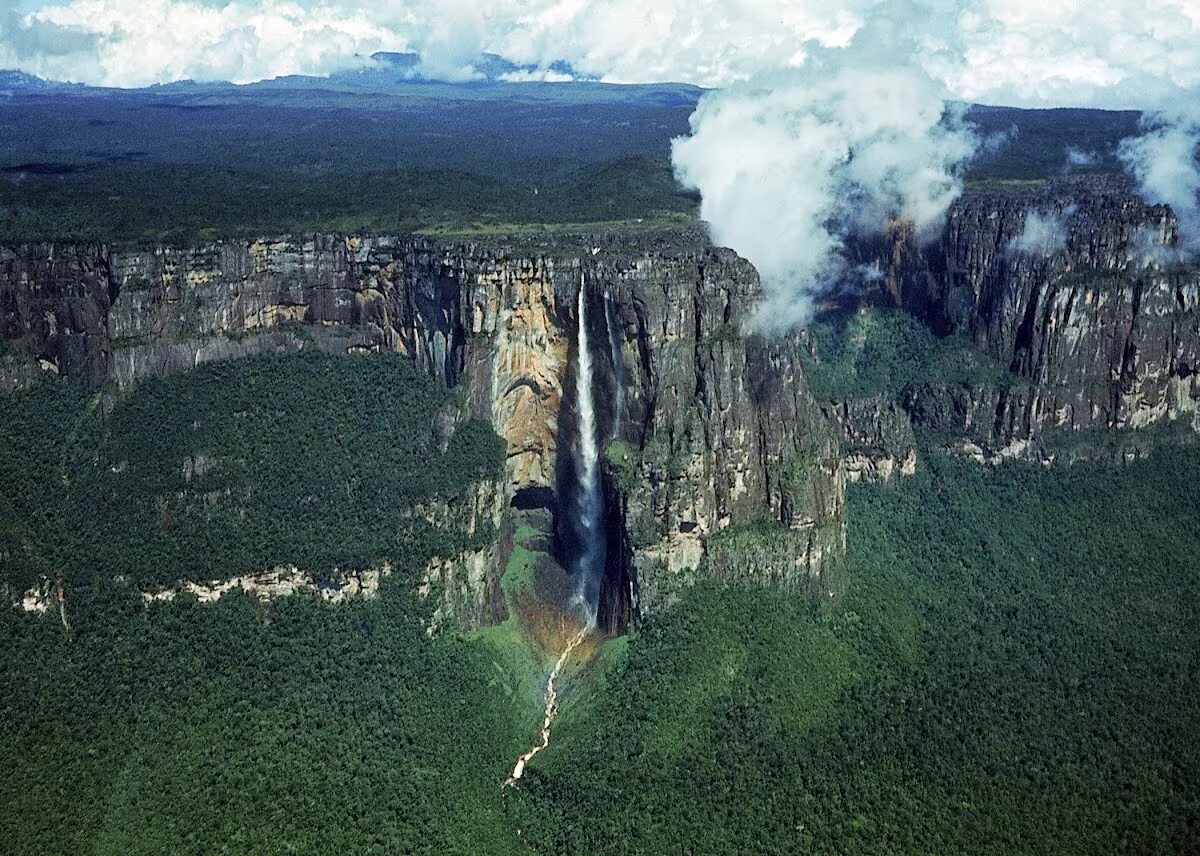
(790, 165)
(1020, 52)
(1043, 234)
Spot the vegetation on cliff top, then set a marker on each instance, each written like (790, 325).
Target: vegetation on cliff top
(181, 166)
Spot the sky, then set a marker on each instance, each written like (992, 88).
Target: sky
(1114, 53)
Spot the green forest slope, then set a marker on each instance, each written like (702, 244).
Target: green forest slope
(1013, 669)
(306, 459)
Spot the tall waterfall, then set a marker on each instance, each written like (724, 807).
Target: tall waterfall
(590, 564)
(615, 346)
(587, 521)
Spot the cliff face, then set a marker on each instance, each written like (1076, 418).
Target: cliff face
(877, 439)
(717, 460)
(719, 431)
(54, 303)
(97, 315)
(1076, 288)
(713, 429)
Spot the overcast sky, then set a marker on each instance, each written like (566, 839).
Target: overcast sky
(1022, 52)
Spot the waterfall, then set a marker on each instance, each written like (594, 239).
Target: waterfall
(589, 513)
(614, 345)
(590, 564)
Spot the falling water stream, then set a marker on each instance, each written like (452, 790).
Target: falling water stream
(590, 564)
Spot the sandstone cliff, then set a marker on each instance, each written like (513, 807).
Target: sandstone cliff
(719, 430)
(718, 460)
(712, 429)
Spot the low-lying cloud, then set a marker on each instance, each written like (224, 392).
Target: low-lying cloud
(1163, 160)
(791, 164)
(1151, 247)
(1080, 159)
(1043, 233)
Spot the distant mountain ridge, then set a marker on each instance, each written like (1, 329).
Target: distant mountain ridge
(491, 68)
(12, 80)
(401, 75)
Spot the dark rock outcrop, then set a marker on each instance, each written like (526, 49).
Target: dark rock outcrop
(1095, 309)
(877, 438)
(54, 306)
(720, 429)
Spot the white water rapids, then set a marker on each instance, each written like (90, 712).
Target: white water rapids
(550, 712)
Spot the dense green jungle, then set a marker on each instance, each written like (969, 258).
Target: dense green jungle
(181, 164)
(1012, 670)
(304, 459)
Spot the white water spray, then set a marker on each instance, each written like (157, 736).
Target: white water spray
(550, 712)
(615, 345)
(589, 567)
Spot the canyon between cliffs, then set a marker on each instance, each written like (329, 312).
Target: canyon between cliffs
(708, 431)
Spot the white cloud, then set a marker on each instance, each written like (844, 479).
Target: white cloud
(1025, 52)
(790, 164)
(1149, 247)
(1079, 158)
(998, 141)
(1043, 234)
(1120, 53)
(1164, 162)
(536, 76)
(149, 41)
(709, 42)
